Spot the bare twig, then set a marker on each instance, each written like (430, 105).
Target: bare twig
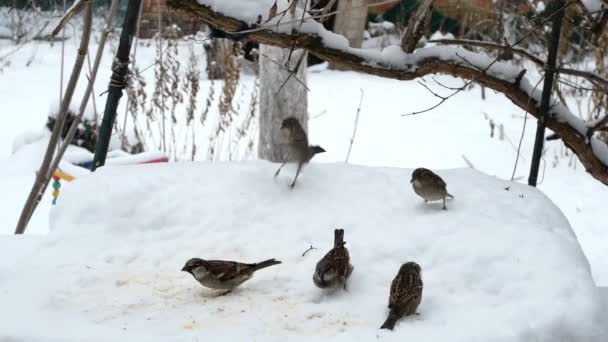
(286, 69)
(521, 138)
(76, 8)
(352, 139)
(308, 250)
(293, 72)
(466, 160)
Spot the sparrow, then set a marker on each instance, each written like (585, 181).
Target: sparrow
(223, 275)
(299, 149)
(429, 186)
(405, 294)
(334, 268)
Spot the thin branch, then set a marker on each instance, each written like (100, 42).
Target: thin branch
(521, 138)
(76, 8)
(352, 139)
(308, 250)
(42, 178)
(286, 69)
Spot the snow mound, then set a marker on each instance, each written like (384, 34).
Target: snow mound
(502, 264)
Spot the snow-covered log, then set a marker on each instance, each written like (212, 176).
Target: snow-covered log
(392, 62)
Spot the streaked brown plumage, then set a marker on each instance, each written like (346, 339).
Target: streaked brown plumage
(405, 294)
(223, 275)
(299, 149)
(429, 186)
(334, 268)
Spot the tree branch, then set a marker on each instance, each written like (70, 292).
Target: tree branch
(591, 77)
(416, 66)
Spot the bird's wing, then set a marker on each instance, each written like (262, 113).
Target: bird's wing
(227, 270)
(299, 136)
(404, 288)
(436, 179)
(336, 261)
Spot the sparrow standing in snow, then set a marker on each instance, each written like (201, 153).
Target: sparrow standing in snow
(335, 268)
(405, 295)
(298, 145)
(223, 275)
(429, 186)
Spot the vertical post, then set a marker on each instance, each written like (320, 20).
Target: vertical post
(558, 6)
(120, 67)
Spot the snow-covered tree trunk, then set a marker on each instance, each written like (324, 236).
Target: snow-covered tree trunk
(351, 19)
(275, 103)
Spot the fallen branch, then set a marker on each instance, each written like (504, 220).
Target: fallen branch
(419, 65)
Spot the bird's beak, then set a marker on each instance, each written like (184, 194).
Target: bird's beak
(412, 180)
(184, 269)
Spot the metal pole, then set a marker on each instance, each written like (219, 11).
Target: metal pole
(120, 68)
(556, 28)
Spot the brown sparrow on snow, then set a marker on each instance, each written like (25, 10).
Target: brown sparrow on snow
(335, 268)
(429, 186)
(223, 275)
(301, 152)
(405, 294)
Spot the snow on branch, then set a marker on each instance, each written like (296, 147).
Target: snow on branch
(591, 77)
(241, 17)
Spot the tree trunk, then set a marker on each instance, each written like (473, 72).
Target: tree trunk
(350, 21)
(277, 104)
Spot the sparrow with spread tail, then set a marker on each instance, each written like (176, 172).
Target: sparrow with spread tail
(334, 268)
(429, 186)
(405, 294)
(299, 149)
(223, 275)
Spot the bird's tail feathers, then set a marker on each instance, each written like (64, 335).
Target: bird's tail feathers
(265, 263)
(390, 322)
(339, 238)
(450, 195)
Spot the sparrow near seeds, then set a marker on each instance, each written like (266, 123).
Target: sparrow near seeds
(429, 186)
(335, 268)
(405, 294)
(223, 275)
(299, 149)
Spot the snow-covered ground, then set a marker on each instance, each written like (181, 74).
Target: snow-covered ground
(439, 139)
(111, 261)
(110, 269)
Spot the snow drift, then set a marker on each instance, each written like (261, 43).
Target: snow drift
(502, 264)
